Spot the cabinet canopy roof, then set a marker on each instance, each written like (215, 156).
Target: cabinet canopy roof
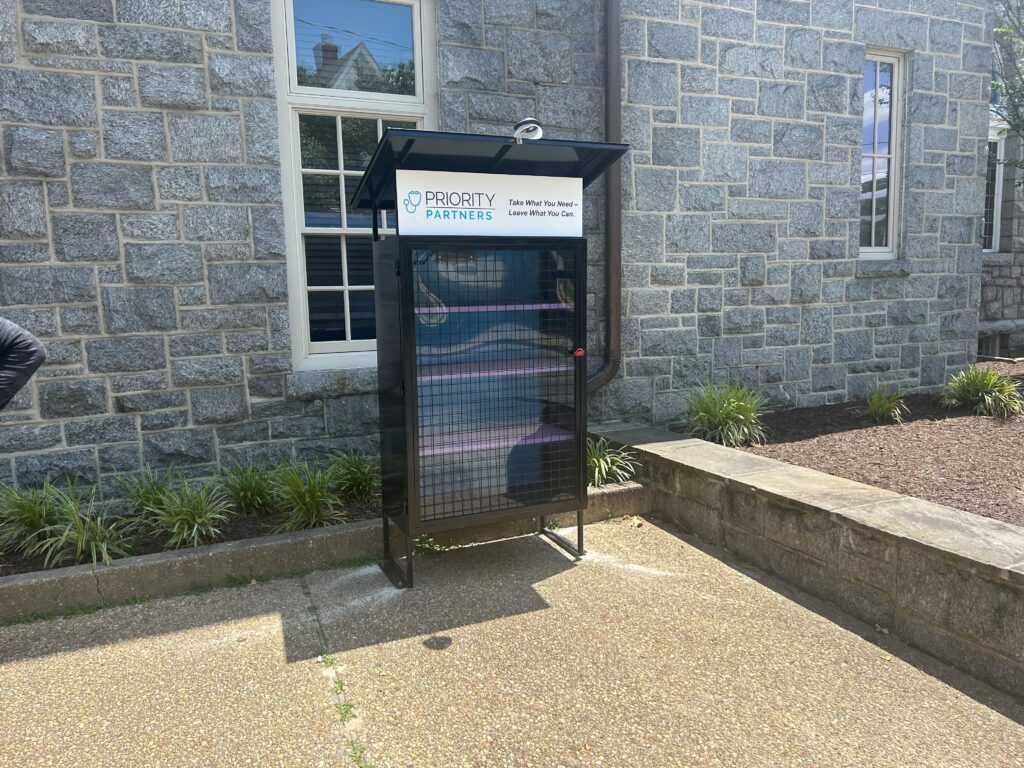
(404, 148)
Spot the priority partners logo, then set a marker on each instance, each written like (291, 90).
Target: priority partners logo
(439, 205)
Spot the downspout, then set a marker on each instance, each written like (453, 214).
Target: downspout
(613, 200)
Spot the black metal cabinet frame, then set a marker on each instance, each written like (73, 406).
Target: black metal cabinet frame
(401, 393)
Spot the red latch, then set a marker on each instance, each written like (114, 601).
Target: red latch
(579, 352)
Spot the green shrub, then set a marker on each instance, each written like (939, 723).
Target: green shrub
(25, 516)
(188, 515)
(83, 531)
(608, 465)
(886, 404)
(250, 489)
(146, 490)
(985, 392)
(356, 476)
(729, 414)
(306, 496)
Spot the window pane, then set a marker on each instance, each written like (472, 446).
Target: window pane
(884, 106)
(355, 45)
(323, 260)
(866, 186)
(318, 140)
(321, 196)
(359, 260)
(327, 316)
(868, 134)
(355, 217)
(360, 307)
(988, 223)
(881, 217)
(359, 139)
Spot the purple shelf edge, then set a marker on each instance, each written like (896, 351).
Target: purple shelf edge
(545, 434)
(489, 372)
(491, 308)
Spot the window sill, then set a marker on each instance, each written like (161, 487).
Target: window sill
(333, 375)
(876, 266)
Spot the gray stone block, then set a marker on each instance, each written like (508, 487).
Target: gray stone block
(94, 10)
(655, 188)
(167, 85)
(778, 179)
(668, 342)
(118, 91)
(268, 234)
(724, 162)
(672, 41)
(853, 345)
(137, 310)
(207, 371)
(22, 212)
(678, 147)
(827, 93)
(737, 320)
(688, 233)
(241, 75)
(805, 283)
(252, 25)
(537, 56)
(133, 353)
(205, 138)
(218, 405)
(134, 136)
(171, 263)
(178, 183)
(742, 237)
(47, 98)
(247, 283)
(474, 68)
(215, 222)
(46, 285)
(710, 111)
(843, 58)
(726, 23)
(261, 145)
(106, 429)
(66, 399)
(122, 42)
(109, 185)
(228, 184)
(902, 31)
(352, 415)
(750, 131)
(67, 39)
(179, 448)
(569, 107)
(757, 61)
(209, 15)
(780, 100)
(653, 83)
(149, 226)
(17, 438)
(85, 237)
(803, 48)
(798, 140)
(784, 11)
(58, 467)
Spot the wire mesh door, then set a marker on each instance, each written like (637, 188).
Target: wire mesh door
(496, 379)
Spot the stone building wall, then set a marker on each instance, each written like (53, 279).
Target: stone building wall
(741, 228)
(141, 237)
(141, 231)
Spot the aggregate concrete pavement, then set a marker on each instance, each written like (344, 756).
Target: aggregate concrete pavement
(652, 651)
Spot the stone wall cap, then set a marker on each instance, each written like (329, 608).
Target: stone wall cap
(883, 268)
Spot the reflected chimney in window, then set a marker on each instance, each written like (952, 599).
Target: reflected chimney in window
(325, 52)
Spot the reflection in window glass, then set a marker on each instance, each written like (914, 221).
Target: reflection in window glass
(323, 260)
(321, 198)
(355, 45)
(360, 141)
(359, 260)
(362, 314)
(876, 154)
(327, 316)
(318, 141)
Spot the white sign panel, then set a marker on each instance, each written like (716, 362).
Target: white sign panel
(488, 204)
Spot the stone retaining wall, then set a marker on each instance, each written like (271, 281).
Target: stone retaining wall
(945, 581)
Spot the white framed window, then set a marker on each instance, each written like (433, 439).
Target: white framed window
(990, 223)
(348, 70)
(880, 161)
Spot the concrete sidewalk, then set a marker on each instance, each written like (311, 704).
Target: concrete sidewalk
(650, 652)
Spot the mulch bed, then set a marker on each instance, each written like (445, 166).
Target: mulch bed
(237, 529)
(973, 463)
